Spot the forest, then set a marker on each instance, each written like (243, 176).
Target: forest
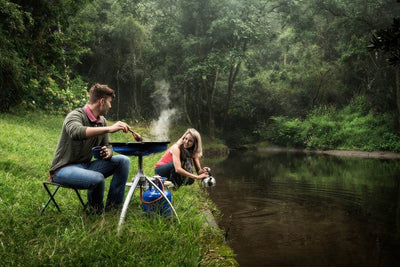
(303, 73)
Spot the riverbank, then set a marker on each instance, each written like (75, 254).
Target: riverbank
(342, 153)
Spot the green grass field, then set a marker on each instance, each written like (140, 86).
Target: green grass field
(72, 238)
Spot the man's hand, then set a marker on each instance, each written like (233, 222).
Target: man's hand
(105, 153)
(118, 126)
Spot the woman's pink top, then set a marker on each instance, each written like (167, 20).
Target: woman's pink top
(166, 158)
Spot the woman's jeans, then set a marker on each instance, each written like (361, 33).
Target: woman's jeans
(168, 171)
(92, 176)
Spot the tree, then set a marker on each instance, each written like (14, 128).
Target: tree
(118, 44)
(323, 60)
(38, 46)
(388, 40)
(11, 66)
(205, 45)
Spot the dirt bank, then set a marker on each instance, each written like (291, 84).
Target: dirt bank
(344, 153)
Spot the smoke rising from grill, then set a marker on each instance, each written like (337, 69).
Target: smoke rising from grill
(160, 127)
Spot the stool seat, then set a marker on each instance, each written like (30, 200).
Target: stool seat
(46, 185)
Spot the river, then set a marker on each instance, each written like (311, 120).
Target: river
(297, 209)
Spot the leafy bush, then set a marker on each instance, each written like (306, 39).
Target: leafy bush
(286, 132)
(47, 96)
(353, 127)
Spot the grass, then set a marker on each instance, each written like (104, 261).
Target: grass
(72, 238)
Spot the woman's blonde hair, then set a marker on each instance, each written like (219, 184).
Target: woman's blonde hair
(198, 146)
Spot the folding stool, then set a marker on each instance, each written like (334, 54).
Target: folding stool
(51, 198)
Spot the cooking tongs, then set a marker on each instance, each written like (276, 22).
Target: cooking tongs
(137, 136)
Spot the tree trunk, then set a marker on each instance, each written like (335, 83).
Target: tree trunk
(197, 108)
(285, 55)
(185, 103)
(397, 71)
(231, 81)
(234, 71)
(209, 89)
(210, 107)
(118, 95)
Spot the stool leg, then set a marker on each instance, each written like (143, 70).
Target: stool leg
(80, 198)
(50, 199)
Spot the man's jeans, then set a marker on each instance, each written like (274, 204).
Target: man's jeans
(92, 176)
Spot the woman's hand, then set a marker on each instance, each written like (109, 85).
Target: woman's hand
(203, 175)
(205, 170)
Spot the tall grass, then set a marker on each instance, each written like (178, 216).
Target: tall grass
(72, 238)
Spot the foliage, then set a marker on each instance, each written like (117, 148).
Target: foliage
(119, 55)
(47, 96)
(226, 63)
(353, 127)
(388, 40)
(37, 45)
(206, 45)
(250, 106)
(11, 65)
(72, 238)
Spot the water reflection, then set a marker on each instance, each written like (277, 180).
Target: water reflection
(293, 209)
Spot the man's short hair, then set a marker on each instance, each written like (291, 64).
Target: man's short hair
(98, 91)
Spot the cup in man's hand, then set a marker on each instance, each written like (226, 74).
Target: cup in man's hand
(97, 152)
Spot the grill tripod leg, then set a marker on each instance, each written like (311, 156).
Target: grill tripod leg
(126, 203)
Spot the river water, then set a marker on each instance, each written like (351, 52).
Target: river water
(296, 209)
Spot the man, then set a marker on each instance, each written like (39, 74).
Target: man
(83, 129)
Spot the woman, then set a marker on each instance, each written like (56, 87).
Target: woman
(176, 164)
